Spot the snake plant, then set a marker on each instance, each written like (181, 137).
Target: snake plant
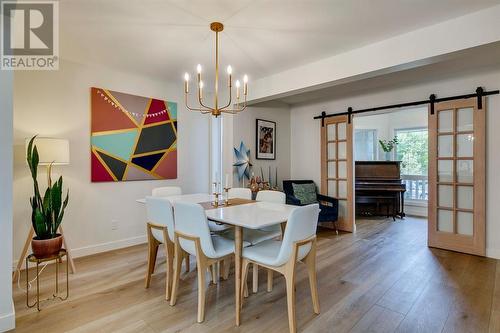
(47, 211)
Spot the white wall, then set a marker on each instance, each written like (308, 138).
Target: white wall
(7, 316)
(305, 139)
(243, 129)
(57, 104)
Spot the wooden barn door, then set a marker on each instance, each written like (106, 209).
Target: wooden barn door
(457, 176)
(337, 167)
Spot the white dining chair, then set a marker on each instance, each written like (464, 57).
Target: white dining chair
(160, 230)
(240, 192)
(193, 236)
(264, 234)
(298, 245)
(166, 191)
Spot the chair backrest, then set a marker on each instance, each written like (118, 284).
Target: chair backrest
(159, 211)
(288, 187)
(191, 220)
(240, 192)
(166, 191)
(271, 196)
(300, 226)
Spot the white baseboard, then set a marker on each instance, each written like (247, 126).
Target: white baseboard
(493, 253)
(109, 246)
(103, 247)
(420, 211)
(8, 320)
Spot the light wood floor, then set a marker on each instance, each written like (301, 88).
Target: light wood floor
(381, 279)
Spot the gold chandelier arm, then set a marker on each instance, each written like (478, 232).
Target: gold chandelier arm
(230, 98)
(237, 110)
(203, 105)
(195, 109)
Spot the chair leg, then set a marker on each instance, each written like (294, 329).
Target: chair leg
(227, 265)
(153, 250)
(290, 299)
(269, 280)
(310, 261)
(186, 261)
(244, 273)
(201, 292)
(255, 278)
(177, 273)
(214, 273)
(169, 254)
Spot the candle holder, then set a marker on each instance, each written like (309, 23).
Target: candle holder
(216, 200)
(216, 195)
(226, 200)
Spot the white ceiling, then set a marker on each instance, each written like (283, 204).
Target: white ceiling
(162, 39)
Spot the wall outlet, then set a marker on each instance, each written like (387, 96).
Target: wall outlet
(114, 224)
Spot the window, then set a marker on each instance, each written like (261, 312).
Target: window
(365, 147)
(412, 152)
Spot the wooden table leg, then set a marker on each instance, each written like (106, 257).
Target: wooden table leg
(238, 244)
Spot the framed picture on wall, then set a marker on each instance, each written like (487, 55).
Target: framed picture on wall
(265, 139)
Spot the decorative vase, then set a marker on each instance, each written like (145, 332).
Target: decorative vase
(44, 248)
(388, 155)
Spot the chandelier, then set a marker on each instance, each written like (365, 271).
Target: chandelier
(216, 110)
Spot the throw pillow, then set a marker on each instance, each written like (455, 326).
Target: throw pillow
(306, 193)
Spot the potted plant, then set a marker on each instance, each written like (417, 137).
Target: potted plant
(47, 211)
(388, 146)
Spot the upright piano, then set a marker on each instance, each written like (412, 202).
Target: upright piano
(379, 188)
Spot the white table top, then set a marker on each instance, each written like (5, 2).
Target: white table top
(193, 198)
(255, 215)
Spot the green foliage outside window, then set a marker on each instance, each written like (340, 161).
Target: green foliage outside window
(412, 151)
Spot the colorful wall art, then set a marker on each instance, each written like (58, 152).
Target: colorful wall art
(133, 137)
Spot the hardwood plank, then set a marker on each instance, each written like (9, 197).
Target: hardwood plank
(366, 281)
(495, 306)
(378, 319)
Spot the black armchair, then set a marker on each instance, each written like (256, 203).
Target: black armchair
(329, 206)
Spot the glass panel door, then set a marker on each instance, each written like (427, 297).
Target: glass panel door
(457, 177)
(337, 167)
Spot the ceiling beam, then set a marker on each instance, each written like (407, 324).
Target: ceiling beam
(417, 48)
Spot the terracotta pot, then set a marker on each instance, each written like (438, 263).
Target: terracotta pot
(44, 248)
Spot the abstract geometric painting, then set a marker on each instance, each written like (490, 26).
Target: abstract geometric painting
(133, 137)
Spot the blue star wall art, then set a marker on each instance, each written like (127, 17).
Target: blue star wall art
(242, 163)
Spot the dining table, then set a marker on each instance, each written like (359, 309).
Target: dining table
(240, 214)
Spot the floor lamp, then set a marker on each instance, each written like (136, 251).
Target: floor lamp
(52, 152)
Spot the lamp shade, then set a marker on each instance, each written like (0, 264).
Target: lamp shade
(50, 150)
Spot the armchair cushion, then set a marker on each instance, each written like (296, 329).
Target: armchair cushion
(306, 193)
(329, 206)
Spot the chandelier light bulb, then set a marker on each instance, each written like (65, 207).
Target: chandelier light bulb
(241, 85)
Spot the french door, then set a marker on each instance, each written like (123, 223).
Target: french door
(457, 176)
(337, 167)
